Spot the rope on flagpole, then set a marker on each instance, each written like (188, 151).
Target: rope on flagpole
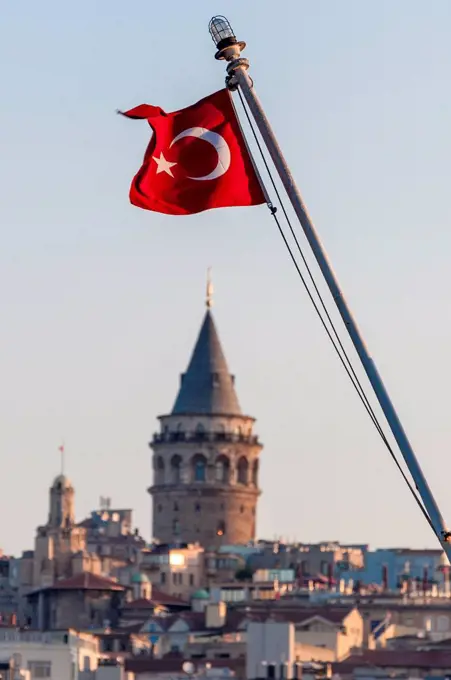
(332, 331)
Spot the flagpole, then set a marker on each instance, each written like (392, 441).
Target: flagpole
(229, 49)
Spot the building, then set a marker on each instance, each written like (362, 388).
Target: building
(53, 655)
(176, 571)
(206, 456)
(84, 601)
(111, 536)
(310, 560)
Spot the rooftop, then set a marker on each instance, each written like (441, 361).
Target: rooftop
(207, 387)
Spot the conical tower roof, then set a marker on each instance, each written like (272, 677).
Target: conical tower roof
(207, 387)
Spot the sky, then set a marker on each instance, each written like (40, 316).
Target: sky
(101, 302)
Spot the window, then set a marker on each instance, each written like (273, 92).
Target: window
(159, 507)
(40, 669)
(255, 473)
(200, 431)
(222, 469)
(220, 434)
(159, 469)
(197, 507)
(199, 468)
(176, 527)
(163, 577)
(220, 531)
(176, 507)
(243, 469)
(174, 578)
(241, 509)
(191, 579)
(176, 469)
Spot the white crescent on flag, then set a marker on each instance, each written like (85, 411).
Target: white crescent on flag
(217, 142)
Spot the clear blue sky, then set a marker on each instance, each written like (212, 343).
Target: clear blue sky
(101, 302)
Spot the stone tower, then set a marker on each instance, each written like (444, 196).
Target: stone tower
(60, 539)
(62, 506)
(206, 456)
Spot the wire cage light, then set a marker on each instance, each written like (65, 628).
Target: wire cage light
(221, 32)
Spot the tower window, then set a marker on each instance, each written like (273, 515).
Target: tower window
(221, 529)
(197, 507)
(222, 469)
(176, 507)
(200, 432)
(159, 469)
(220, 434)
(243, 470)
(199, 468)
(176, 469)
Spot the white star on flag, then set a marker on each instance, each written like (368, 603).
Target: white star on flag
(163, 164)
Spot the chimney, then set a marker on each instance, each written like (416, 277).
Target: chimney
(215, 614)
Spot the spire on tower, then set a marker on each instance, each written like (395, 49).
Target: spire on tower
(209, 298)
(207, 387)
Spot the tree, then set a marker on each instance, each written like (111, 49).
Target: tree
(244, 574)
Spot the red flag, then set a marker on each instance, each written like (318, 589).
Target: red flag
(196, 160)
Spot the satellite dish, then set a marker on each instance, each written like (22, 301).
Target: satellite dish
(188, 667)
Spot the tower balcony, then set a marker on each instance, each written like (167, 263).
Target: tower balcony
(200, 437)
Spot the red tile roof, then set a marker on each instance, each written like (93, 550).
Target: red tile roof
(158, 598)
(234, 619)
(86, 581)
(394, 658)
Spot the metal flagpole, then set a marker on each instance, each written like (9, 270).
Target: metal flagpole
(229, 49)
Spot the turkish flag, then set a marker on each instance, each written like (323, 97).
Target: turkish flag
(196, 160)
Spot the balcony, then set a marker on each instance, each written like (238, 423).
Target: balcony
(200, 437)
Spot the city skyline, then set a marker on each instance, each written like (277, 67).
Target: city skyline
(102, 303)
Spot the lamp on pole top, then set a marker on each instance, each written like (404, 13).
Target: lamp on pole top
(224, 38)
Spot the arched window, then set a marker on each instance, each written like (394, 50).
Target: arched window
(199, 468)
(159, 469)
(222, 469)
(200, 431)
(220, 434)
(243, 469)
(255, 473)
(221, 528)
(176, 469)
(179, 435)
